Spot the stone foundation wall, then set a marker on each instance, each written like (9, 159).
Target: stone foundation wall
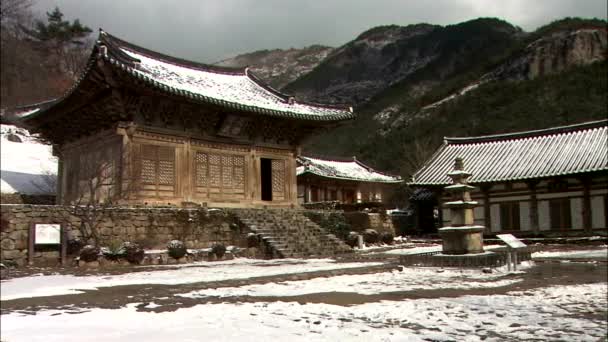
(357, 220)
(381, 223)
(152, 228)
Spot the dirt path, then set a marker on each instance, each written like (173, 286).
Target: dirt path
(540, 275)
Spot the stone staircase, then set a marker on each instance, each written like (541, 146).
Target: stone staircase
(290, 234)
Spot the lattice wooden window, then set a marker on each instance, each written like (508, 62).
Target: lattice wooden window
(223, 172)
(157, 165)
(278, 179)
(215, 170)
(201, 164)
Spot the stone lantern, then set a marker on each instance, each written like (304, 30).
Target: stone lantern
(462, 236)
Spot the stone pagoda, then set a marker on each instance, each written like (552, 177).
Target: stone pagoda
(462, 236)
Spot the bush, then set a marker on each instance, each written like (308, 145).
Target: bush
(74, 246)
(114, 250)
(133, 252)
(352, 238)
(387, 238)
(89, 253)
(370, 236)
(176, 249)
(219, 250)
(252, 240)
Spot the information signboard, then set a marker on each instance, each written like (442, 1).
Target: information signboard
(47, 234)
(511, 240)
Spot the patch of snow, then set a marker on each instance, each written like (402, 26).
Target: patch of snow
(580, 254)
(198, 272)
(427, 249)
(26, 167)
(152, 305)
(542, 314)
(343, 170)
(407, 280)
(235, 88)
(455, 95)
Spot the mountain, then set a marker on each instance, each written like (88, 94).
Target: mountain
(280, 67)
(385, 56)
(483, 77)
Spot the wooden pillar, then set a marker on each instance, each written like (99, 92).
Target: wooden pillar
(487, 212)
(586, 182)
(59, 185)
(533, 206)
(185, 173)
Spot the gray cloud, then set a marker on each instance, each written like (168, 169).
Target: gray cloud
(210, 30)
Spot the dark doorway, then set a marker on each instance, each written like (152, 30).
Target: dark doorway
(266, 178)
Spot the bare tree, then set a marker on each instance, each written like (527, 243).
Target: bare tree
(415, 156)
(100, 184)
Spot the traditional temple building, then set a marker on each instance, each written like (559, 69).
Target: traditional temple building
(141, 127)
(537, 182)
(342, 180)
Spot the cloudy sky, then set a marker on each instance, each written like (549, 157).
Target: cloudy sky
(211, 30)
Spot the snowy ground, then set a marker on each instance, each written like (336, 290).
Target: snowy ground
(545, 302)
(52, 285)
(598, 253)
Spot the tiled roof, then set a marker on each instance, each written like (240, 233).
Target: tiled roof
(232, 88)
(229, 87)
(525, 155)
(346, 170)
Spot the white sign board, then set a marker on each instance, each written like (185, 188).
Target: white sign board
(48, 234)
(511, 240)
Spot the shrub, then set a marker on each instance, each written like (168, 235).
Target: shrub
(252, 240)
(219, 250)
(114, 250)
(133, 252)
(370, 236)
(74, 246)
(89, 253)
(176, 249)
(387, 238)
(352, 238)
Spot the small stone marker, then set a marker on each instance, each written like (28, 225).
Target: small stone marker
(513, 244)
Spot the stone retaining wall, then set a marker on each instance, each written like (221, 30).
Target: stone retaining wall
(150, 227)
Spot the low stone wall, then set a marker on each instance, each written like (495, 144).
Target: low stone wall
(357, 221)
(150, 227)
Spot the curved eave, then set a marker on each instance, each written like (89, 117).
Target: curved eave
(95, 54)
(512, 179)
(350, 179)
(27, 121)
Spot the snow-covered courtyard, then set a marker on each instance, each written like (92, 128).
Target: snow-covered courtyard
(253, 300)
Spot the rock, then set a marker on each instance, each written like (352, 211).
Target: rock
(487, 270)
(7, 244)
(91, 264)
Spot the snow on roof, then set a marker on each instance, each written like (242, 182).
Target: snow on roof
(236, 88)
(26, 167)
(348, 170)
(524, 155)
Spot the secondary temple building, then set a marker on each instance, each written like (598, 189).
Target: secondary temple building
(140, 127)
(342, 180)
(543, 181)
